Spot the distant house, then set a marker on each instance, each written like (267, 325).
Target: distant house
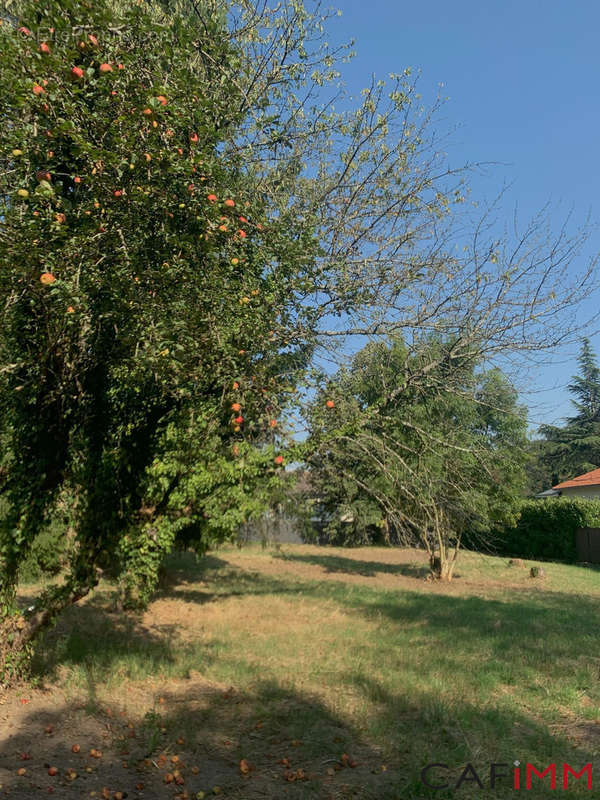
(548, 493)
(586, 485)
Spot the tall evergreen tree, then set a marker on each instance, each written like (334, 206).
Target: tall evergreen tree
(586, 387)
(572, 449)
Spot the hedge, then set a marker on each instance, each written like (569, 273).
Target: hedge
(546, 529)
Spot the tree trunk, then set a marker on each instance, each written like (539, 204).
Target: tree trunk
(442, 567)
(14, 652)
(18, 631)
(386, 531)
(441, 560)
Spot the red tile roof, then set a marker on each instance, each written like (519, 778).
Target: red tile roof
(587, 479)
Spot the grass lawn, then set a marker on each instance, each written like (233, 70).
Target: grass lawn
(331, 673)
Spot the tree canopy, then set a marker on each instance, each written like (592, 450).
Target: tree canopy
(149, 295)
(393, 461)
(187, 222)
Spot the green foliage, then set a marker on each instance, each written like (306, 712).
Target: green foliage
(144, 298)
(546, 529)
(180, 221)
(204, 495)
(49, 553)
(573, 449)
(51, 548)
(417, 447)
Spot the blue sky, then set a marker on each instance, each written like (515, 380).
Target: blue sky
(522, 81)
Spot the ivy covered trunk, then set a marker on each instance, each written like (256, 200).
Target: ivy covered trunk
(14, 649)
(144, 305)
(20, 629)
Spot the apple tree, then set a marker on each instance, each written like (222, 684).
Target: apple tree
(148, 288)
(193, 212)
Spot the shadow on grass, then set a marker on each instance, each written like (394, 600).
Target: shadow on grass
(97, 641)
(531, 629)
(588, 565)
(353, 566)
(183, 569)
(527, 620)
(293, 743)
(520, 638)
(515, 640)
(186, 567)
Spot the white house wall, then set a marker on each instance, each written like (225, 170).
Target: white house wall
(587, 492)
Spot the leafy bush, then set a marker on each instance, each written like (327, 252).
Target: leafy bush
(50, 549)
(546, 529)
(48, 554)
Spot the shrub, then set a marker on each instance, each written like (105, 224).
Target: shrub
(50, 549)
(48, 554)
(546, 529)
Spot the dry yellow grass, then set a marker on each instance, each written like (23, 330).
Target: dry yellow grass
(310, 653)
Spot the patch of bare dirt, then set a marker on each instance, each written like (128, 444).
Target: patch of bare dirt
(195, 737)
